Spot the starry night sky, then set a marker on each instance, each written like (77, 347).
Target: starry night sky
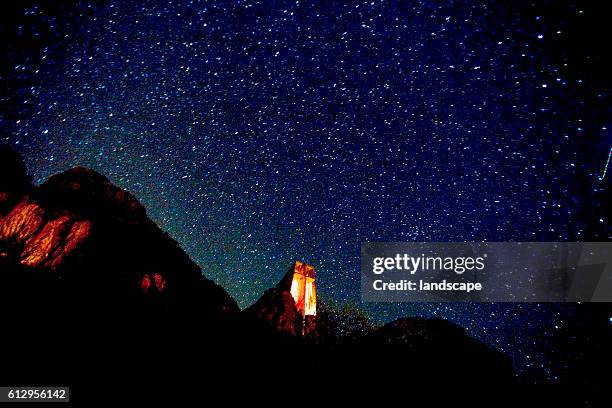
(257, 133)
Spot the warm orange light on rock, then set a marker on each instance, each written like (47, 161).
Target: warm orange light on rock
(303, 288)
(45, 240)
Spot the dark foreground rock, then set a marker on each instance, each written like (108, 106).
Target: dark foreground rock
(276, 309)
(93, 292)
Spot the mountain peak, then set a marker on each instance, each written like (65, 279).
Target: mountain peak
(90, 194)
(81, 228)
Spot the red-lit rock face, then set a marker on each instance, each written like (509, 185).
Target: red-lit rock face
(78, 230)
(22, 222)
(158, 282)
(290, 307)
(300, 281)
(145, 283)
(44, 240)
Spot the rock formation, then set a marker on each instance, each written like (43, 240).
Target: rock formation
(290, 307)
(81, 229)
(276, 308)
(92, 284)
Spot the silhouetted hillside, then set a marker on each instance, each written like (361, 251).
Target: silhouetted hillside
(93, 285)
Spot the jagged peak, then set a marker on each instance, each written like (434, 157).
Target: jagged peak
(88, 193)
(83, 227)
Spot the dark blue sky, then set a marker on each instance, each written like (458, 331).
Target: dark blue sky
(260, 133)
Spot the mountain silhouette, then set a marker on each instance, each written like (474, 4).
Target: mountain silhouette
(91, 283)
(78, 222)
